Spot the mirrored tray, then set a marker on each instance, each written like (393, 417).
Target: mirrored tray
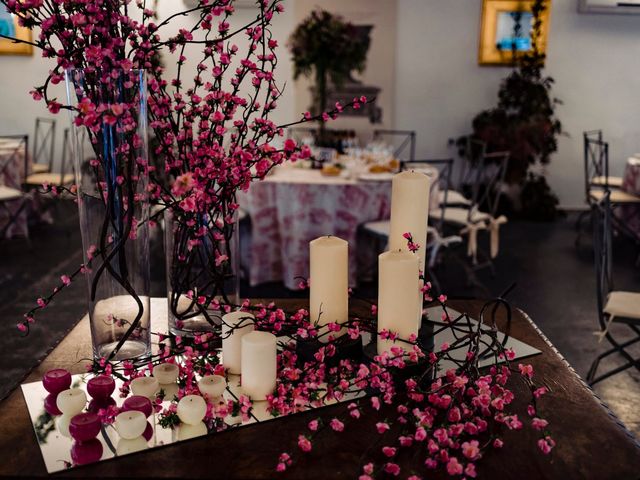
(60, 452)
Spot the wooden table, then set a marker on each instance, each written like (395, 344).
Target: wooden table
(591, 443)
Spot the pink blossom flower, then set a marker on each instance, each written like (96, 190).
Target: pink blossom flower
(497, 443)
(539, 423)
(546, 444)
(471, 449)
(392, 469)
(389, 451)
(336, 425)
(304, 443)
(313, 425)
(454, 467)
(65, 279)
(382, 427)
(526, 370)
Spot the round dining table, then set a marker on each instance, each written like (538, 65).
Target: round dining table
(293, 205)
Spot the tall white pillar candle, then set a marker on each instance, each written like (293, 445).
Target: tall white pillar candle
(409, 211)
(398, 283)
(259, 364)
(234, 326)
(329, 276)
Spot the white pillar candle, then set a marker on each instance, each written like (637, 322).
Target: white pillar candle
(63, 422)
(191, 409)
(398, 283)
(234, 326)
(329, 277)
(409, 211)
(166, 373)
(130, 424)
(71, 401)
(212, 386)
(145, 386)
(259, 364)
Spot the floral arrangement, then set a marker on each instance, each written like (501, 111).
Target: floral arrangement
(215, 139)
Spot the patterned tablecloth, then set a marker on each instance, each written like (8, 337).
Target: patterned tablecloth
(12, 165)
(293, 206)
(631, 184)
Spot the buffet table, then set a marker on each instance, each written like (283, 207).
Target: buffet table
(591, 443)
(292, 206)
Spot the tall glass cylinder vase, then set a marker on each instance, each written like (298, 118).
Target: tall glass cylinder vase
(202, 270)
(110, 158)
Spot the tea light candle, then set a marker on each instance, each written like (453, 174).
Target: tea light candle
(130, 424)
(84, 426)
(71, 401)
(234, 326)
(329, 277)
(56, 380)
(409, 211)
(213, 386)
(145, 386)
(186, 431)
(259, 364)
(50, 405)
(166, 373)
(83, 453)
(191, 409)
(63, 424)
(101, 387)
(397, 306)
(138, 403)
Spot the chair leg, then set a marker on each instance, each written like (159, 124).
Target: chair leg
(617, 348)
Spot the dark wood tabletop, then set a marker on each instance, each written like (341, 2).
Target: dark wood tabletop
(591, 443)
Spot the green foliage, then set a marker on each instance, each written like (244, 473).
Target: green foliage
(326, 46)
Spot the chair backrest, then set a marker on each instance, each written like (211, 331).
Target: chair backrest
(445, 167)
(489, 178)
(602, 226)
(596, 159)
(471, 159)
(402, 140)
(44, 141)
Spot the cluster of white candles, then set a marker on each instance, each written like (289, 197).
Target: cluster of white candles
(399, 294)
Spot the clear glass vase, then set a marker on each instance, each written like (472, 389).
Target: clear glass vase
(110, 158)
(202, 271)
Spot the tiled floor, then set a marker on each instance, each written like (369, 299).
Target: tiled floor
(555, 286)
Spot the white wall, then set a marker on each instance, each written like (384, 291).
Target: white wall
(593, 58)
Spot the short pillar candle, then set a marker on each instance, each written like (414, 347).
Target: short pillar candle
(329, 277)
(259, 364)
(234, 326)
(397, 307)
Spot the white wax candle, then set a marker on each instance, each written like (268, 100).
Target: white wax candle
(71, 401)
(329, 277)
(409, 211)
(62, 423)
(259, 364)
(234, 326)
(213, 386)
(126, 446)
(191, 409)
(186, 431)
(166, 373)
(398, 283)
(130, 424)
(145, 386)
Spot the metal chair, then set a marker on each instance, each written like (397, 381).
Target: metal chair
(407, 138)
(43, 145)
(486, 192)
(61, 178)
(614, 306)
(11, 194)
(597, 180)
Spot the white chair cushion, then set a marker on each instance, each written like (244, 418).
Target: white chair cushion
(453, 198)
(51, 178)
(7, 194)
(460, 216)
(379, 228)
(623, 304)
(617, 196)
(611, 181)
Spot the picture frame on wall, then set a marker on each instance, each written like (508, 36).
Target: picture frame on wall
(498, 37)
(9, 27)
